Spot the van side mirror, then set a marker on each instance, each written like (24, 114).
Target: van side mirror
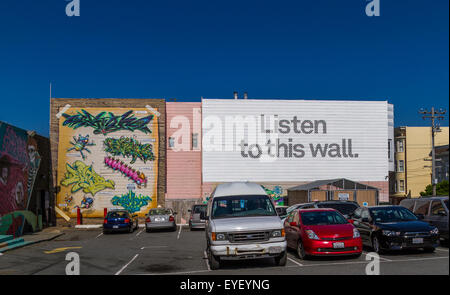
(364, 219)
(293, 223)
(442, 213)
(350, 221)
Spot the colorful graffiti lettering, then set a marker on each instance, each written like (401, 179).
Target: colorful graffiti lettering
(129, 147)
(82, 176)
(106, 122)
(131, 202)
(275, 194)
(138, 177)
(80, 144)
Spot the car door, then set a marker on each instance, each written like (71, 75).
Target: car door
(356, 217)
(295, 230)
(288, 228)
(365, 228)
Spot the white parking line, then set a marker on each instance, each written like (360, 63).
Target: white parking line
(99, 235)
(139, 233)
(295, 261)
(125, 266)
(179, 232)
(445, 250)
(207, 261)
(152, 247)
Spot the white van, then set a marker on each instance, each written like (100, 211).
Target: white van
(242, 223)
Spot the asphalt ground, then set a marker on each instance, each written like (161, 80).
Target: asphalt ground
(182, 252)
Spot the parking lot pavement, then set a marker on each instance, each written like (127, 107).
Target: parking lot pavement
(182, 252)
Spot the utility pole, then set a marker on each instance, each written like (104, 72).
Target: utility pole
(433, 115)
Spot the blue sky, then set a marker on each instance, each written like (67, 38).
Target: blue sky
(307, 49)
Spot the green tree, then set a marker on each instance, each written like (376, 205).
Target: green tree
(441, 189)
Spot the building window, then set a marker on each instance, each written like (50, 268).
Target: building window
(171, 142)
(401, 166)
(401, 185)
(395, 187)
(194, 140)
(400, 148)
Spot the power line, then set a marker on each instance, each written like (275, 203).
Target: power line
(435, 127)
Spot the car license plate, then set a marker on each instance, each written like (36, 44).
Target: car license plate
(273, 250)
(338, 245)
(157, 219)
(417, 240)
(115, 226)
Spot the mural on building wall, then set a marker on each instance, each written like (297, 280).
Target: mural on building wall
(118, 171)
(129, 147)
(81, 144)
(19, 165)
(276, 194)
(131, 201)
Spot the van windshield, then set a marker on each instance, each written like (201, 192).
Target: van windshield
(242, 206)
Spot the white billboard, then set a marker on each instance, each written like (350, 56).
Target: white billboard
(294, 140)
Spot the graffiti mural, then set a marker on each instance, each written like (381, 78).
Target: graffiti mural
(80, 144)
(275, 194)
(107, 122)
(131, 201)
(88, 175)
(19, 165)
(81, 176)
(129, 147)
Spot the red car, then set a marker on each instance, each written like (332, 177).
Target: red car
(321, 232)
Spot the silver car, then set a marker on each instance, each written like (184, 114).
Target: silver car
(160, 218)
(194, 220)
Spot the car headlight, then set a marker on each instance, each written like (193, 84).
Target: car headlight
(277, 233)
(434, 231)
(218, 236)
(356, 233)
(391, 233)
(311, 235)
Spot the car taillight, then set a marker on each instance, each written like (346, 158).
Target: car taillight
(147, 219)
(105, 221)
(127, 220)
(171, 218)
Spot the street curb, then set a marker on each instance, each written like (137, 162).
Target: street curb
(26, 243)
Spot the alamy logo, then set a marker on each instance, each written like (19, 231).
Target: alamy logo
(73, 8)
(373, 267)
(73, 267)
(373, 8)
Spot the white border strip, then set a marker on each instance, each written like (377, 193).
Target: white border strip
(125, 266)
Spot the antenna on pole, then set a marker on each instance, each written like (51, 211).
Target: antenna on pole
(50, 90)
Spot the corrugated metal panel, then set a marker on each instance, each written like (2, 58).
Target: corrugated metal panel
(365, 123)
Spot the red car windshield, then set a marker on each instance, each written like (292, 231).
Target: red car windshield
(322, 218)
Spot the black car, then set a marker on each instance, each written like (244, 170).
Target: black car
(394, 228)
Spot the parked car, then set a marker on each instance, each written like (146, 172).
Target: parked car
(194, 220)
(120, 220)
(242, 223)
(321, 232)
(394, 228)
(160, 218)
(346, 208)
(433, 210)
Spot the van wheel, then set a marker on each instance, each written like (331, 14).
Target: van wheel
(214, 262)
(282, 259)
(300, 250)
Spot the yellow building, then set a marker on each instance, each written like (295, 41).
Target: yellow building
(412, 159)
